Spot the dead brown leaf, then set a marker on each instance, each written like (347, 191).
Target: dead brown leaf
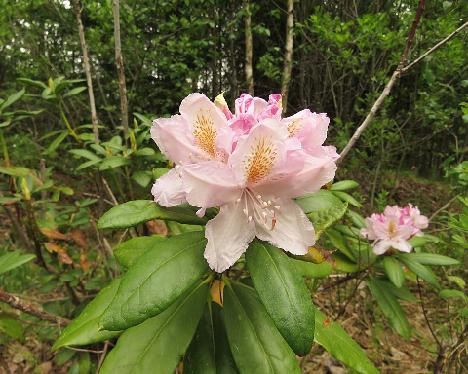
(53, 234)
(63, 256)
(79, 238)
(157, 226)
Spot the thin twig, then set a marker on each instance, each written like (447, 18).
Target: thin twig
(34, 310)
(443, 207)
(433, 49)
(439, 344)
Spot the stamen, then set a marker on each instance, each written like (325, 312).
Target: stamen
(250, 218)
(246, 212)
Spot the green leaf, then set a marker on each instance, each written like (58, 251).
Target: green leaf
(11, 260)
(331, 336)
(419, 241)
(402, 292)
(450, 294)
(390, 307)
(32, 82)
(200, 356)
(344, 185)
(338, 241)
(420, 270)
(156, 280)
(127, 253)
(56, 143)
(145, 151)
(209, 350)
(87, 164)
(75, 91)
(347, 198)
(142, 177)
(159, 172)
(157, 344)
(311, 270)
(394, 271)
(12, 327)
(432, 259)
(322, 208)
(134, 212)
(11, 100)
(283, 293)
(15, 171)
(255, 342)
(356, 218)
(84, 329)
(342, 264)
(113, 162)
(460, 282)
(84, 153)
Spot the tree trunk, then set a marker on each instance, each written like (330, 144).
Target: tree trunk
(120, 67)
(287, 68)
(248, 48)
(87, 68)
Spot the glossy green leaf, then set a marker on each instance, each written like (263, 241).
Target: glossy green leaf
(157, 344)
(75, 91)
(394, 271)
(142, 177)
(346, 197)
(339, 242)
(402, 292)
(255, 342)
(356, 218)
(130, 251)
(344, 185)
(15, 171)
(390, 307)
(84, 329)
(283, 293)
(156, 280)
(113, 162)
(200, 356)
(209, 350)
(451, 294)
(331, 336)
(11, 260)
(322, 208)
(134, 212)
(343, 264)
(419, 241)
(432, 259)
(84, 153)
(421, 271)
(11, 100)
(311, 270)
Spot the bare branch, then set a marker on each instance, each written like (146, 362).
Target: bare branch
(120, 67)
(288, 56)
(87, 69)
(34, 310)
(433, 49)
(248, 47)
(388, 87)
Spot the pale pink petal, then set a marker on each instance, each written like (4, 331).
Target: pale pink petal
(401, 245)
(247, 104)
(174, 138)
(291, 230)
(229, 234)
(258, 155)
(314, 173)
(310, 128)
(382, 246)
(168, 190)
(209, 184)
(208, 125)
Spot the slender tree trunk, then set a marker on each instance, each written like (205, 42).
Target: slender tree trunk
(287, 68)
(120, 67)
(248, 48)
(87, 68)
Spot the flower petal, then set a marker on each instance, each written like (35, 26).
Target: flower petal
(210, 131)
(229, 234)
(174, 138)
(209, 183)
(291, 230)
(168, 189)
(310, 128)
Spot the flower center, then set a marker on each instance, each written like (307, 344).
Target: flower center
(260, 161)
(293, 127)
(204, 132)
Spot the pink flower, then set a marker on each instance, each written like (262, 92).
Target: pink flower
(252, 175)
(393, 228)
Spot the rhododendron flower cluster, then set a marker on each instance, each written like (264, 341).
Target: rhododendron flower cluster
(393, 228)
(250, 163)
